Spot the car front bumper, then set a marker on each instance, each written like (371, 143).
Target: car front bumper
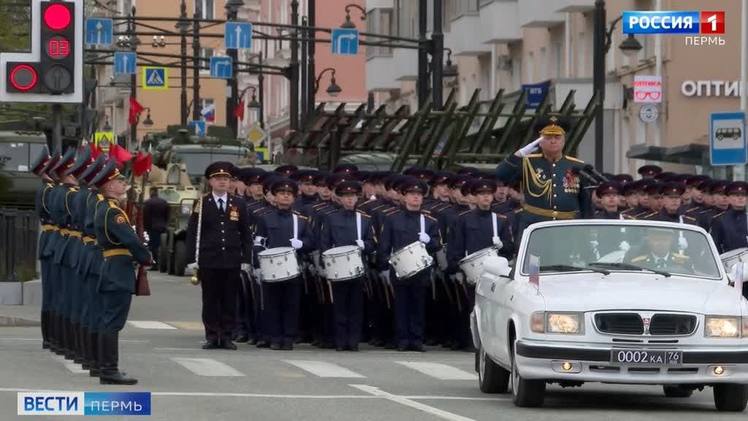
(592, 363)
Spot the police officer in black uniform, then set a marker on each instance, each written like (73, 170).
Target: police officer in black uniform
(730, 230)
(348, 227)
(225, 250)
(608, 193)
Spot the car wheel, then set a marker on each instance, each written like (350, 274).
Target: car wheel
(492, 378)
(180, 258)
(730, 397)
(525, 393)
(675, 391)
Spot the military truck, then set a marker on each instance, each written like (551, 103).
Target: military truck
(17, 184)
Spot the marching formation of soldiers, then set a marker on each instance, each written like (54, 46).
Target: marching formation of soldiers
(87, 251)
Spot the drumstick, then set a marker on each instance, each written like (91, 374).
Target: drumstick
(329, 285)
(457, 297)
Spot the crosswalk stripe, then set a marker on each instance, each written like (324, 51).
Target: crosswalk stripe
(150, 324)
(439, 371)
(325, 369)
(207, 367)
(71, 366)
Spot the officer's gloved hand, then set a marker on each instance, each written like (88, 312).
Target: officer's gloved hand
(385, 275)
(146, 238)
(259, 241)
(529, 148)
(246, 267)
(497, 242)
(624, 245)
(682, 243)
(257, 274)
(192, 267)
(360, 244)
(424, 238)
(296, 243)
(460, 277)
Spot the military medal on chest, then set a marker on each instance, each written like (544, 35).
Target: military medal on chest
(233, 213)
(571, 182)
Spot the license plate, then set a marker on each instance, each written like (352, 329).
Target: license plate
(646, 357)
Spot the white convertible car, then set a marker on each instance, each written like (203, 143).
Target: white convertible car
(614, 301)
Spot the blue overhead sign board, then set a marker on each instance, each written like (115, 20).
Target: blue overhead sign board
(727, 139)
(99, 32)
(125, 63)
(197, 127)
(220, 67)
(237, 35)
(344, 41)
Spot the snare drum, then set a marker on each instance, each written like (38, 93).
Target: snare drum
(278, 264)
(343, 263)
(410, 260)
(472, 264)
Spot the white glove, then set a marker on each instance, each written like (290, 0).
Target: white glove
(192, 267)
(457, 277)
(296, 243)
(424, 238)
(246, 267)
(529, 148)
(497, 242)
(682, 243)
(360, 244)
(258, 274)
(624, 245)
(385, 275)
(259, 241)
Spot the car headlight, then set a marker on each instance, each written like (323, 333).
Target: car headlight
(564, 323)
(722, 327)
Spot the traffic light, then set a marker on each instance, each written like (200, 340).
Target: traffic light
(53, 71)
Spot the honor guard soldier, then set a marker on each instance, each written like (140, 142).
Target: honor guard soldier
(307, 189)
(282, 227)
(671, 194)
(286, 170)
(729, 229)
(476, 229)
(121, 249)
(649, 171)
(653, 193)
(401, 228)
(219, 235)
(38, 168)
(608, 193)
(348, 227)
(630, 192)
(550, 180)
(50, 233)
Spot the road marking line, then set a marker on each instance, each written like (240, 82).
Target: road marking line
(150, 324)
(325, 369)
(410, 403)
(439, 371)
(207, 367)
(197, 326)
(71, 366)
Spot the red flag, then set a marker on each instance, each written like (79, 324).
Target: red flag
(119, 154)
(95, 151)
(239, 110)
(135, 110)
(142, 163)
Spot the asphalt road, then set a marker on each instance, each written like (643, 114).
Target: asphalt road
(161, 347)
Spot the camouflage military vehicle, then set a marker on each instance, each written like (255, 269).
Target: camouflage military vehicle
(17, 184)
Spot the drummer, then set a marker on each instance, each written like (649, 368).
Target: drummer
(475, 230)
(401, 228)
(281, 227)
(348, 227)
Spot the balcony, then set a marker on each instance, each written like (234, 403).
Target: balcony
(385, 72)
(578, 6)
(379, 4)
(540, 13)
(498, 22)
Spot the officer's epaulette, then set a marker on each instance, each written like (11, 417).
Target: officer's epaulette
(518, 210)
(571, 158)
(534, 155)
(690, 218)
(718, 215)
(74, 188)
(391, 211)
(430, 217)
(263, 211)
(99, 197)
(363, 213)
(500, 215)
(381, 205)
(306, 218)
(368, 201)
(680, 258)
(50, 185)
(426, 211)
(648, 215)
(639, 259)
(627, 216)
(692, 209)
(464, 212)
(316, 206)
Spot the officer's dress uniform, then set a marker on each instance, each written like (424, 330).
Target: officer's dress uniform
(341, 229)
(225, 243)
(47, 230)
(730, 230)
(400, 229)
(671, 262)
(282, 299)
(121, 250)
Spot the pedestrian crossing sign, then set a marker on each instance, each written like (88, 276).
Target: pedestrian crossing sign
(262, 154)
(155, 78)
(103, 140)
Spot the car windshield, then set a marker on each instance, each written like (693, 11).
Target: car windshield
(667, 251)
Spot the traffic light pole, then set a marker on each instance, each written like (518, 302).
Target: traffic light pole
(233, 88)
(133, 78)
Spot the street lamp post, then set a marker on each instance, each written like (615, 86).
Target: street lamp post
(437, 57)
(422, 84)
(334, 143)
(232, 10)
(332, 89)
(348, 23)
(294, 106)
(182, 26)
(196, 64)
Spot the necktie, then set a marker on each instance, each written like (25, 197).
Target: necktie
(220, 205)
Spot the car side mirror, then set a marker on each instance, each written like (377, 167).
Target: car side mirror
(497, 266)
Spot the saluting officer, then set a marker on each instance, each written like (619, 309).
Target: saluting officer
(348, 227)
(225, 250)
(405, 226)
(121, 249)
(550, 180)
(282, 227)
(729, 229)
(608, 193)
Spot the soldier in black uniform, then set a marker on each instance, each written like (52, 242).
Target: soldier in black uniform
(307, 190)
(407, 225)
(121, 249)
(729, 229)
(348, 227)
(608, 193)
(225, 250)
(649, 171)
(276, 229)
(671, 193)
(716, 202)
(552, 186)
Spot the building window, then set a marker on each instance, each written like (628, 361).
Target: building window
(208, 109)
(206, 8)
(379, 21)
(205, 54)
(558, 59)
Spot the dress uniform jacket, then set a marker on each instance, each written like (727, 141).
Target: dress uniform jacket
(730, 230)
(402, 228)
(276, 227)
(340, 229)
(41, 203)
(474, 232)
(225, 238)
(120, 246)
(662, 215)
(603, 214)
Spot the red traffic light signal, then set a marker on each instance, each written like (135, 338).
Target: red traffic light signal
(23, 77)
(57, 17)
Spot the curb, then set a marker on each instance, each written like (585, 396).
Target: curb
(8, 321)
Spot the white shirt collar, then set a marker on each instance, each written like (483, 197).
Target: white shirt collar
(224, 197)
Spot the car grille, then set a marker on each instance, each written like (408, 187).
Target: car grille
(619, 323)
(662, 324)
(672, 324)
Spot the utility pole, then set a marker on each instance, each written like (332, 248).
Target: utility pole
(304, 69)
(311, 72)
(133, 78)
(437, 57)
(182, 26)
(261, 82)
(294, 105)
(422, 84)
(598, 61)
(232, 9)
(196, 60)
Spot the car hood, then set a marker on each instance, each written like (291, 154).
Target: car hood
(637, 291)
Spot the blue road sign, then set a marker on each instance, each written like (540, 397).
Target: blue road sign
(727, 139)
(344, 41)
(155, 78)
(197, 127)
(125, 63)
(220, 67)
(238, 35)
(99, 32)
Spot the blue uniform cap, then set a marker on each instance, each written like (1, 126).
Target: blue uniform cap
(220, 168)
(284, 185)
